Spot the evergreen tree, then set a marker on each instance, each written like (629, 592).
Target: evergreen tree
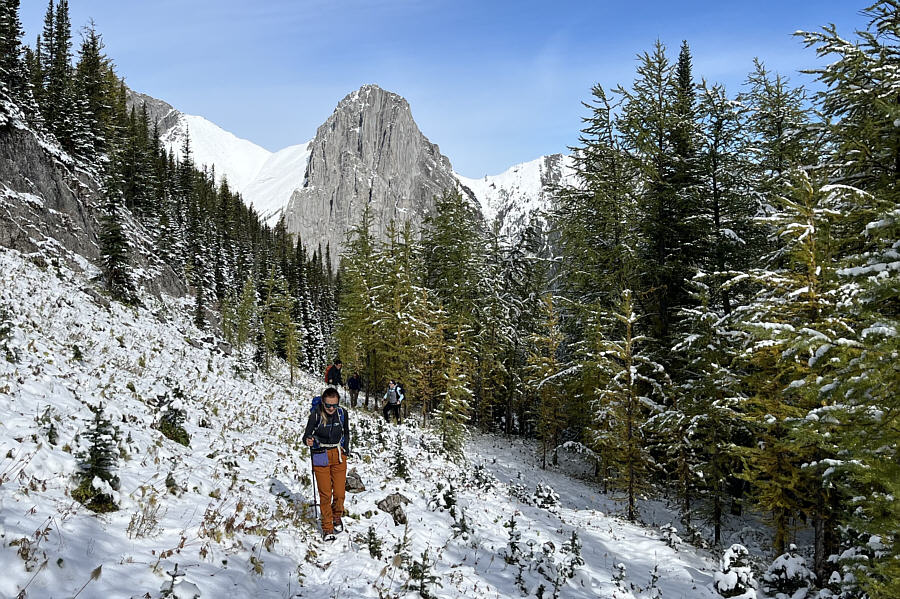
(453, 410)
(795, 322)
(244, 329)
(13, 74)
(59, 108)
(698, 432)
(98, 463)
(595, 218)
(452, 241)
(859, 100)
(114, 244)
(94, 118)
(657, 131)
(356, 332)
(434, 358)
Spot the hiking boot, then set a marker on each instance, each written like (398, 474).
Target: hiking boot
(338, 525)
(328, 535)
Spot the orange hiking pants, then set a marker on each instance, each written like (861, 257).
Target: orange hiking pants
(331, 481)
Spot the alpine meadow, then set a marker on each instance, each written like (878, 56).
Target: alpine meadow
(663, 364)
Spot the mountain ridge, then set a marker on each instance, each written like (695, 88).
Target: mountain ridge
(278, 184)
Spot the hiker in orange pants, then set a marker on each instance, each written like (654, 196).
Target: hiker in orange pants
(331, 481)
(328, 436)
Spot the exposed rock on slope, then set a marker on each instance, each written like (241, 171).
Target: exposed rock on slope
(369, 151)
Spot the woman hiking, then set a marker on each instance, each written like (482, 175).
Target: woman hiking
(328, 436)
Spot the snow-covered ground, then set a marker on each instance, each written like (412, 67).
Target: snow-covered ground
(232, 509)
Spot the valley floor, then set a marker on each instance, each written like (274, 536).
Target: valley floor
(232, 508)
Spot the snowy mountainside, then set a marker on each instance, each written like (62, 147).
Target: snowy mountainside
(239, 160)
(231, 510)
(522, 190)
(265, 179)
(276, 180)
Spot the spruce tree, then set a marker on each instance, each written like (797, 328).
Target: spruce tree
(657, 127)
(96, 478)
(794, 322)
(13, 72)
(859, 102)
(596, 217)
(114, 245)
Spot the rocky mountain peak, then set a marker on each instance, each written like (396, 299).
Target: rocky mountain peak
(369, 152)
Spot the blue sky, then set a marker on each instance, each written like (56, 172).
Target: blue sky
(492, 83)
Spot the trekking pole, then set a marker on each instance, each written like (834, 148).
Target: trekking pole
(315, 490)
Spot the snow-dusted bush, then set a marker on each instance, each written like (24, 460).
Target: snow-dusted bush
(545, 497)
(670, 535)
(735, 576)
(171, 414)
(399, 462)
(521, 492)
(373, 543)
(481, 478)
(422, 576)
(443, 497)
(788, 577)
(9, 349)
(859, 550)
(545, 564)
(572, 559)
(513, 552)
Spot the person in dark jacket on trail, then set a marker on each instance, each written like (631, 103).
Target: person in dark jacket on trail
(328, 436)
(392, 399)
(334, 374)
(353, 384)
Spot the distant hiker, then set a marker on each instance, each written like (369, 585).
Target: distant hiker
(392, 399)
(353, 384)
(333, 374)
(328, 436)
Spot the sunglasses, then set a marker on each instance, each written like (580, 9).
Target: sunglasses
(330, 405)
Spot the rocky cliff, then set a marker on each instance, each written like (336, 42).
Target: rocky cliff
(49, 205)
(368, 152)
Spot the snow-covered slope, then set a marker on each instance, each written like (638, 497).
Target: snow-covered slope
(522, 190)
(279, 176)
(231, 510)
(264, 179)
(237, 159)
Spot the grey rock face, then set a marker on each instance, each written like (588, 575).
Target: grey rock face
(157, 110)
(369, 151)
(42, 200)
(50, 204)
